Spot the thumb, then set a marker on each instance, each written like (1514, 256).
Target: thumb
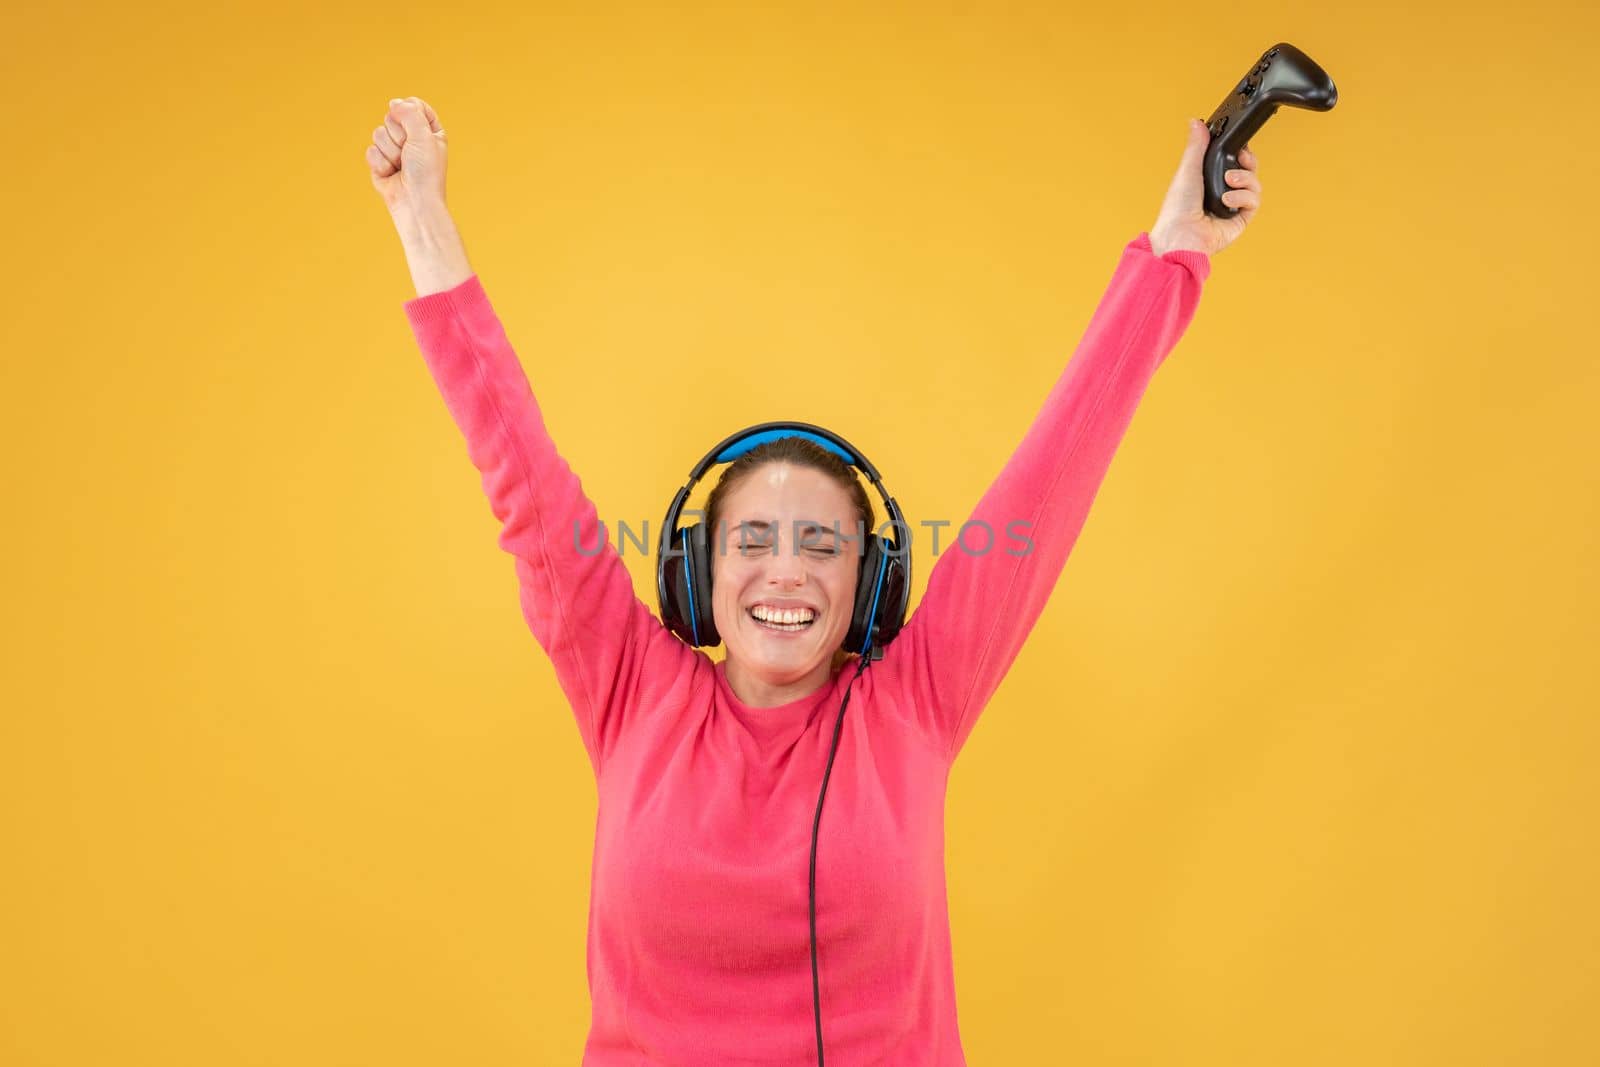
(1194, 150)
(1186, 192)
(1185, 189)
(409, 115)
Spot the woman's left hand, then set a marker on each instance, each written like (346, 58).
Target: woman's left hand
(1183, 222)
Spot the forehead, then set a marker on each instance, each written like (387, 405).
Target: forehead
(785, 491)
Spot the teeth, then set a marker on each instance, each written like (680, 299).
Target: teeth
(788, 617)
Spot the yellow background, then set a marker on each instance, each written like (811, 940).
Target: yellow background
(1298, 766)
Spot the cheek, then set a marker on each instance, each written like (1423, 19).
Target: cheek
(728, 584)
(842, 595)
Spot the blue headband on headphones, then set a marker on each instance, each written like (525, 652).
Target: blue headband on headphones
(745, 444)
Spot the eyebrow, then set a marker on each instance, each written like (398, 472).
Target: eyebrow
(761, 526)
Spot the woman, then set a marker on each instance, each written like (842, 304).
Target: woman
(701, 920)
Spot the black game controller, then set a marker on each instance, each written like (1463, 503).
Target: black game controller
(1284, 76)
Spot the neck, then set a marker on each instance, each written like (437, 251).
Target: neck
(758, 692)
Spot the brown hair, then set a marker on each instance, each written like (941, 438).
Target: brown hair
(802, 452)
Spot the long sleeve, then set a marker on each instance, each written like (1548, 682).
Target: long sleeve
(578, 601)
(981, 604)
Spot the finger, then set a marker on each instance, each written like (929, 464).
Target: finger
(386, 146)
(1242, 199)
(1243, 179)
(428, 113)
(1194, 150)
(397, 132)
(1247, 158)
(380, 166)
(408, 113)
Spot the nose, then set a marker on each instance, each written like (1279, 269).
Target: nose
(787, 570)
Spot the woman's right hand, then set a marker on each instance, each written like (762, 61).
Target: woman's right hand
(407, 158)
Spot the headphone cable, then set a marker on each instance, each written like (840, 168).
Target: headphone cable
(816, 987)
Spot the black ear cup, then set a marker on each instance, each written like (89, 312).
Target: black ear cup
(891, 613)
(684, 582)
(705, 620)
(881, 593)
(672, 591)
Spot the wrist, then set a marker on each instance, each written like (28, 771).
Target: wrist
(433, 247)
(428, 222)
(1161, 244)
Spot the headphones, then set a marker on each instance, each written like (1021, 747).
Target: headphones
(683, 565)
(883, 587)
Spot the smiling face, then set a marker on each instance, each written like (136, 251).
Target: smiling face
(766, 569)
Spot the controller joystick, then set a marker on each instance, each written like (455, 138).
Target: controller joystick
(1284, 76)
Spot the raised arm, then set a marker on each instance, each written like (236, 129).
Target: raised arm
(576, 594)
(980, 605)
(985, 593)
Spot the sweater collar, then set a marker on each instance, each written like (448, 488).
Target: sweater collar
(782, 722)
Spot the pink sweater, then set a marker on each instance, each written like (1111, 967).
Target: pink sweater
(699, 924)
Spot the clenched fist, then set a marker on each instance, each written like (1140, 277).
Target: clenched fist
(407, 161)
(407, 157)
